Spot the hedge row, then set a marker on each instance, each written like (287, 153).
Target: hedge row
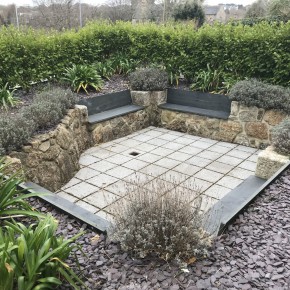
(261, 51)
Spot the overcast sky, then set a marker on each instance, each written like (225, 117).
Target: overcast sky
(96, 2)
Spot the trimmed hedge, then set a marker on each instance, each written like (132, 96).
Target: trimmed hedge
(261, 51)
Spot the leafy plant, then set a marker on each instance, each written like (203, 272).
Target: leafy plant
(162, 220)
(208, 81)
(7, 98)
(81, 76)
(148, 79)
(14, 132)
(123, 65)
(104, 69)
(13, 200)
(34, 257)
(256, 93)
(281, 137)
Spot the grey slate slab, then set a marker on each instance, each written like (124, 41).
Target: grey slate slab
(68, 207)
(195, 110)
(113, 113)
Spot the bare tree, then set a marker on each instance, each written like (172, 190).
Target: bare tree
(257, 9)
(58, 14)
(119, 10)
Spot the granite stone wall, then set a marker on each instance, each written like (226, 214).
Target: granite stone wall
(119, 127)
(249, 126)
(52, 159)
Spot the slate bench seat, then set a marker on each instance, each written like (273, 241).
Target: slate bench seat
(199, 103)
(105, 107)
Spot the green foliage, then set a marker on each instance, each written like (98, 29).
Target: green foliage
(257, 93)
(81, 76)
(34, 257)
(169, 225)
(148, 79)
(12, 200)
(260, 51)
(208, 81)
(14, 132)
(281, 137)
(104, 69)
(188, 11)
(213, 80)
(7, 98)
(47, 109)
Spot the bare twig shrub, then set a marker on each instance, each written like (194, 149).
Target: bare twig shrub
(161, 220)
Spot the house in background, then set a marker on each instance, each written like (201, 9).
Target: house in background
(215, 13)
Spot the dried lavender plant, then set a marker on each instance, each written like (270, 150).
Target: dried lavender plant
(162, 218)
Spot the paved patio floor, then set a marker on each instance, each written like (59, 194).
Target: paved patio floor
(181, 160)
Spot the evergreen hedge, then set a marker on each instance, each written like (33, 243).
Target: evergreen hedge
(261, 51)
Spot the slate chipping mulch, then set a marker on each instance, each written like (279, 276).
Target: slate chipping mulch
(253, 253)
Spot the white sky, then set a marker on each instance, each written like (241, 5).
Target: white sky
(97, 2)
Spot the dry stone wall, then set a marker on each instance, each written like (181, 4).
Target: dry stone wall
(119, 127)
(52, 159)
(250, 126)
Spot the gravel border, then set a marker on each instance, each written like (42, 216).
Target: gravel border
(253, 253)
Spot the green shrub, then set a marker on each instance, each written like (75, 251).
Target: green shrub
(104, 69)
(83, 77)
(281, 137)
(12, 199)
(148, 79)
(45, 114)
(169, 225)
(7, 98)
(257, 93)
(260, 51)
(65, 99)
(34, 257)
(14, 132)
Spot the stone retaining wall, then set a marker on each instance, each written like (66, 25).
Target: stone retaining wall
(52, 159)
(249, 126)
(119, 127)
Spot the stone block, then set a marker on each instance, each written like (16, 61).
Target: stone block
(158, 97)
(248, 114)
(167, 116)
(273, 117)
(269, 162)
(141, 98)
(64, 137)
(231, 127)
(44, 146)
(234, 108)
(257, 130)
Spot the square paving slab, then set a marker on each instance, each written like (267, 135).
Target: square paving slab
(110, 170)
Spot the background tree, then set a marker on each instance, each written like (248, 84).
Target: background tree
(257, 9)
(189, 11)
(57, 14)
(279, 8)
